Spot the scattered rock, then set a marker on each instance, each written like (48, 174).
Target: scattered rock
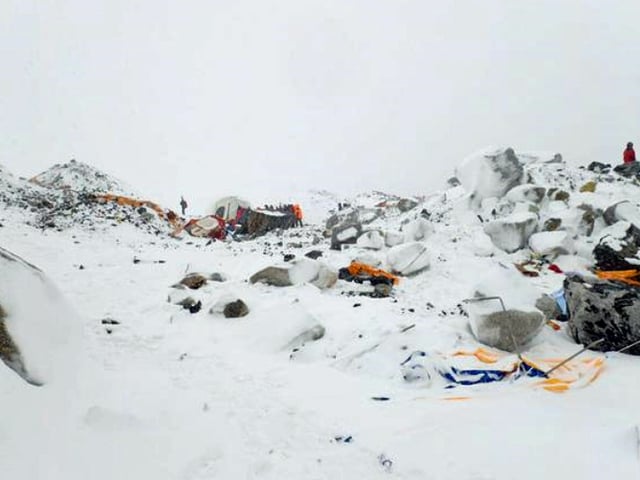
(313, 254)
(526, 193)
(217, 277)
(187, 302)
(275, 276)
(406, 204)
(588, 187)
(236, 309)
(194, 281)
(598, 167)
(345, 235)
(549, 307)
(287, 257)
(552, 224)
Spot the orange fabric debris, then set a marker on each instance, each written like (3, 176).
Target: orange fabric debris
(627, 276)
(357, 268)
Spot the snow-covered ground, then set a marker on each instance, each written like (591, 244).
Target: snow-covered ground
(166, 394)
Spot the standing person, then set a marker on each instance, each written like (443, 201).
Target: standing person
(629, 155)
(183, 205)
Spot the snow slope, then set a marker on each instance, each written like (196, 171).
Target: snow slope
(169, 394)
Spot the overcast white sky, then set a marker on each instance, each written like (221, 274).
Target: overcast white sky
(210, 97)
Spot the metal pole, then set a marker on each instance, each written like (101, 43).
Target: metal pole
(565, 361)
(624, 349)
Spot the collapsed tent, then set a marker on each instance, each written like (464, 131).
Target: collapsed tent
(464, 368)
(169, 216)
(228, 208)
(210, 226)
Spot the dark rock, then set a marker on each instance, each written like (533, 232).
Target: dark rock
(194, 281)
(603, 309)
(196, 307)
(313, 254)
(236, 309)
(549, 307)
(187, 303)
(552, 224)
(288, 257)
(598, 167)
(406, 204)
(628, 169)
(9, 352)
(217, 277)
(345, 234)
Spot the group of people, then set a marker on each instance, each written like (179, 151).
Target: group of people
(293, 208)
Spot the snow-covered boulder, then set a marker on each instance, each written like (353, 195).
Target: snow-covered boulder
(372, 240)
(345, 235)
(526, 193)
(418, 230)
(274, 276)
(409, 258)
(512, 233)
(511, 327)
(297, 272)
(602, 309)
(406, 204)
(482, 244)
(39, 332)
(391, 239)
(490, 174)
(557, 242)
(623, 211)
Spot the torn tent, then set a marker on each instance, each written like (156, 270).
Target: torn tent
(464, 368)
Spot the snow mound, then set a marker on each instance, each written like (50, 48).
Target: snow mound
(80, 177)
(42, 327)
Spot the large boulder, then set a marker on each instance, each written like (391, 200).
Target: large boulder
(616, 244)
(623, 211)
(409, 258)
(507, 330)
(391, 239)
(628, 169)
(600, 309)
(512, 233)
(508, 319)
(274, 276)
(39, 332)
(490, 174)
(417, 230)
(345, 234)
(296, 272)
(372, 240)
(551, 243)
(527, 193)
(235, 309)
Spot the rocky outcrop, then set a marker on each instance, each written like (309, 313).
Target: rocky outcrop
(606, 310)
